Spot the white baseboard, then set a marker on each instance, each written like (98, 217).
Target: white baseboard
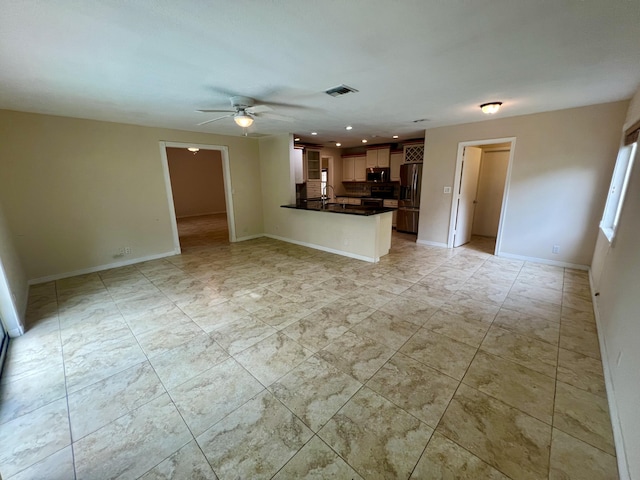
(431, 244)
(100, 268)
(618, 438)
(543, 260)
(325, 249)
(249, 237)
(15, 332)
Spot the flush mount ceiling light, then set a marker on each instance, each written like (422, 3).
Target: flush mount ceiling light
(297, 139)
(338, 144)
(348, 127)
(314, 133)
(491, 107)
(193, 150)
(395, 136)
(364, 140)
(243, 119)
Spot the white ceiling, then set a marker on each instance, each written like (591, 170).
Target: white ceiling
(152, 62)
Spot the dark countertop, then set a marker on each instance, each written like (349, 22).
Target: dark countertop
(339, 208)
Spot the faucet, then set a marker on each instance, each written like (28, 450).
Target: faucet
(324, 194)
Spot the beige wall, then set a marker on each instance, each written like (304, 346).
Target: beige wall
(13, 287)
(75, 191)
(197, 181)
(493, 173)
(618, 308)
(559, 179)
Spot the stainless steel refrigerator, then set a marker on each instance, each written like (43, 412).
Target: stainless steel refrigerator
(409, 201)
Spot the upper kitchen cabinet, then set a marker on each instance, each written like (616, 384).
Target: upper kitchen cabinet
(378, 157)
(396, 159)
(312, 164)
(354, 168)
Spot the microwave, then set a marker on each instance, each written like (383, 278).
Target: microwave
(378, 174)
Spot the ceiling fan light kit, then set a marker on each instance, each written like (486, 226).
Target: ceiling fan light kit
(244, 111)
(490, 108)
(243, 119)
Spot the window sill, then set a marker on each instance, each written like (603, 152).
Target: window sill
(608, 232)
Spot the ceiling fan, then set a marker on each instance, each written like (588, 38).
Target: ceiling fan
(245, 111)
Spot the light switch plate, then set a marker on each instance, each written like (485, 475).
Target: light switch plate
(447, 189)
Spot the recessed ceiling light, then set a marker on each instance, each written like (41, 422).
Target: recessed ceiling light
(491, 107)
(348, 127)
(314, 133)
(338, 144)
(395, 136)
(297, 139)
(364, 140)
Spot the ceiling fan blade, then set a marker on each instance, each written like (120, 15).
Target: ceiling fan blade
(214, 111)
(273, 116)
(215, 119)
(259, 109)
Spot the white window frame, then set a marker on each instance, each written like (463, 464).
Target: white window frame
(618, 190)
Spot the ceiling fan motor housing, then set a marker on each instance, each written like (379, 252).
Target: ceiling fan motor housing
(241, 102)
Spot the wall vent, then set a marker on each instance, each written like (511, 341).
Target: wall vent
(340, 90)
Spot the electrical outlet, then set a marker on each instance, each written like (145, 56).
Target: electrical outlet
(121, 252)
(447, 189)
(127, 250)
(555, 249)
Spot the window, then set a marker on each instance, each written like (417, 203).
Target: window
(619, 181)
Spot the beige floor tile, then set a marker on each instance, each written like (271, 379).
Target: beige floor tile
(210, 396)
(255, 441)
(30, 393)
(29, 354)
(464, 329)
(579, 319)
(96, 405)
(163, 315)
(416, 388)
(528, 325)
(356, 355)
(315, 391)
(159, 340)
(240, 334)
(572, 459)
(413, 311)
(444, 459)
(316, 461)
(132, 444)
(88, 366)
(513, 384)
(583, 415)
(489, 293)
(465, 306)
(579, 339)
(188, 462)
(530, 306)
(537, 292)
(442, 353)
(316, 330)
(387, 329)
(581, 371)
(370, 297)
(375, 437)
(57, 466)
(273, 357)
(344, 310)
(182, 363)
(219, 316)
(525, 351)
(577, 302)
(33, 437)
(502, 436)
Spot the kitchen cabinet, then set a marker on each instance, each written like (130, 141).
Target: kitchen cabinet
(312, 164)
(378, 158)
(348, 200)
(354, 169)
(395, 161)
(298, 165)
(392, 204)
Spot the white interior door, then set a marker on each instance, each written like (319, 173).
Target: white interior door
(467, 191)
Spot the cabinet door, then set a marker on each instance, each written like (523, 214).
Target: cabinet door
(383, 157)
(396, 161)
(372, 158)
(313, 164)
(347, 170)
(360, 169)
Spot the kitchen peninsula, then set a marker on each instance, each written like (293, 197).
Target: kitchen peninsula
(357, 232)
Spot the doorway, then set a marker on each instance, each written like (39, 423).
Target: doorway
(481, 183)
(199, 194)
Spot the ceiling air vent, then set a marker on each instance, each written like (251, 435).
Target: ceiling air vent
(340, 90)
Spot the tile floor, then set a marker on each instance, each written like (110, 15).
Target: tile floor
(264, 359)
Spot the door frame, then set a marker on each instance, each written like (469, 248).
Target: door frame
(228, 191)
(456, 181)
